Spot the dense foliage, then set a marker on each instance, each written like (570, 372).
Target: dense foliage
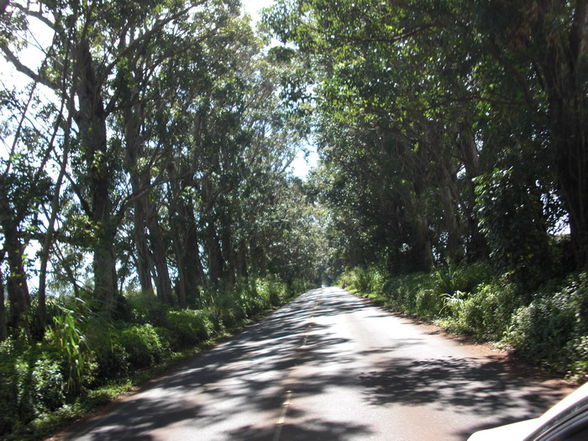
(82, 352)
(448, 130)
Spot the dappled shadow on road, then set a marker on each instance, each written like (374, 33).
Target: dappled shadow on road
(312, 429)
(139, 417)
(258, 359)
(248, 371)
(250, 374)
(463, 383)
(466, 385)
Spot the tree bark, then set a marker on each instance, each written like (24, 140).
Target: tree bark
(563, 65)
(159, 248)
(185, 235)
(41, 314)
(228, 250)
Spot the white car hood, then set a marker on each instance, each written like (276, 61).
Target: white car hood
(510, 432)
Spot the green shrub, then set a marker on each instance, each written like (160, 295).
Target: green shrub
(346, 280)
(48, 383)
(511, 214)
(68, 340)
(484, 314)
(226, 308)
(452, 278)
(147, 308)
(295, 287)
(553, 328)
(428, 303)
(189, 326)
(112, 360)
(143, 344)
(9, 385)
(369, 280)
(400, 293)
(577, 350)
(31, 382)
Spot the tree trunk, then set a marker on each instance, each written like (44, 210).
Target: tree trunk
(214, 253)
(144, 260)
(228, 249)
(572, 169)
(216, 266)
(41, 315)
(159, 248)
(476, 243)
(186, 249)
(569, 127)
(422, 254)
(139, 184)
(191, 253)
(3, 329)
(91, 121)
(17, 286)
(448, 192)
(242, 263)
(185, 237)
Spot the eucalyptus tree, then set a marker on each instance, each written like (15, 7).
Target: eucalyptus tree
(105, 41)
(146, 95)
(437, 94)
(30, 135)
(380, 83)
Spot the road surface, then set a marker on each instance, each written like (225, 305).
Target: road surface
(328, 366)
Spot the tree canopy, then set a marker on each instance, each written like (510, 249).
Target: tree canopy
(147, 199)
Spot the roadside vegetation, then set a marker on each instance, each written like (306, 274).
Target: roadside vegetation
(546, 327)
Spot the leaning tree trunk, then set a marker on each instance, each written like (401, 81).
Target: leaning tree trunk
(564, 67)
(572, 150)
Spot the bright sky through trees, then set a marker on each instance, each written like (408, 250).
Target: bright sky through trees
(307, 158)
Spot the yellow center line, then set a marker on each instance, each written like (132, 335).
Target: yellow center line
(288, 401)
(282, 418)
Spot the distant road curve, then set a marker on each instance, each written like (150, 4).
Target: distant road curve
(328, 366)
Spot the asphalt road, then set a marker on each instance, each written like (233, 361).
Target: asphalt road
(329, 366)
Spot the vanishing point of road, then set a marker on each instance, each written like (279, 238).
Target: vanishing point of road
(328, 366)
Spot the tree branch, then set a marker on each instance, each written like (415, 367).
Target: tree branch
(25, 69)
(38, 15)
